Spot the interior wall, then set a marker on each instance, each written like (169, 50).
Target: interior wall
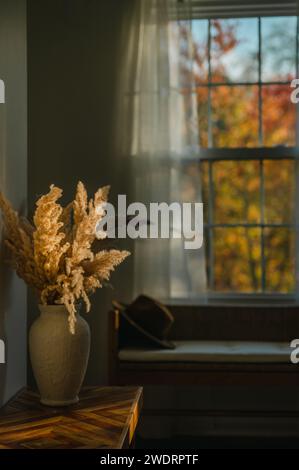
(13, 182)
(72, 71)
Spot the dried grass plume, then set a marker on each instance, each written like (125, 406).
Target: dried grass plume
(55, 254)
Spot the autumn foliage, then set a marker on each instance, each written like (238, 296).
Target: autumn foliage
(246, 192)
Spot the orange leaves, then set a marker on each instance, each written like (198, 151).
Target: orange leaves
(279, 116)
(224, 39)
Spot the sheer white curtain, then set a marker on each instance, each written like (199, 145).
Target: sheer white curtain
(158, 139)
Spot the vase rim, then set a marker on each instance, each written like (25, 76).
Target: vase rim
(77, 304)
(56, 308)
(52, 307)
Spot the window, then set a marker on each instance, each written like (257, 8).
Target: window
(247, 124)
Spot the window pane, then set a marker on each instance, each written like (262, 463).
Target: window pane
(186, 181)
(235, 116)
(184, 121)
(237, 191)
(207, 257)
(204, 175)
(203, 115)
(181, 68)
(279, 116)
(280, 259)
(234, 50)
(279, 183)
(200, 31)
(237, 254)
(278, 48)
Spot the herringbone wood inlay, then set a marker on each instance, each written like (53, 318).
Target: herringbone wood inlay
(104, 418)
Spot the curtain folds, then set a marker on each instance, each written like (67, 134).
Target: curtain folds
(157, 138)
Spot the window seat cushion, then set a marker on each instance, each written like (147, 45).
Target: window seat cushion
(212, 351)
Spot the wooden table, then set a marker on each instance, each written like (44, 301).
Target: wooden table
(104, 418)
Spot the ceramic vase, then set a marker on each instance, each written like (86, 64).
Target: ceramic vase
(59, 359)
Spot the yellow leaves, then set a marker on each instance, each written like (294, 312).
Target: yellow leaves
(55, 255)
(253, 212)
(237, 259)
(235, 116)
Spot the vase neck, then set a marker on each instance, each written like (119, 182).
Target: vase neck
(53, 310)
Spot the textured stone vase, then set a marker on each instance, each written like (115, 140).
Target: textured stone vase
(59, 359)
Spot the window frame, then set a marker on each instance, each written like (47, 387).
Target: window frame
(212, 154)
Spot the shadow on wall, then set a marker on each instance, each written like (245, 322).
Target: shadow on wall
(70, 138)
(13, 182)
(5, 281)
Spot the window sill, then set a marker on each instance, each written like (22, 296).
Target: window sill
(283, 300)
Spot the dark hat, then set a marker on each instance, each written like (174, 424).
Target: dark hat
(145, 322)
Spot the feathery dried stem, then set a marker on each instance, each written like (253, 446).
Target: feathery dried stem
(57, 255)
